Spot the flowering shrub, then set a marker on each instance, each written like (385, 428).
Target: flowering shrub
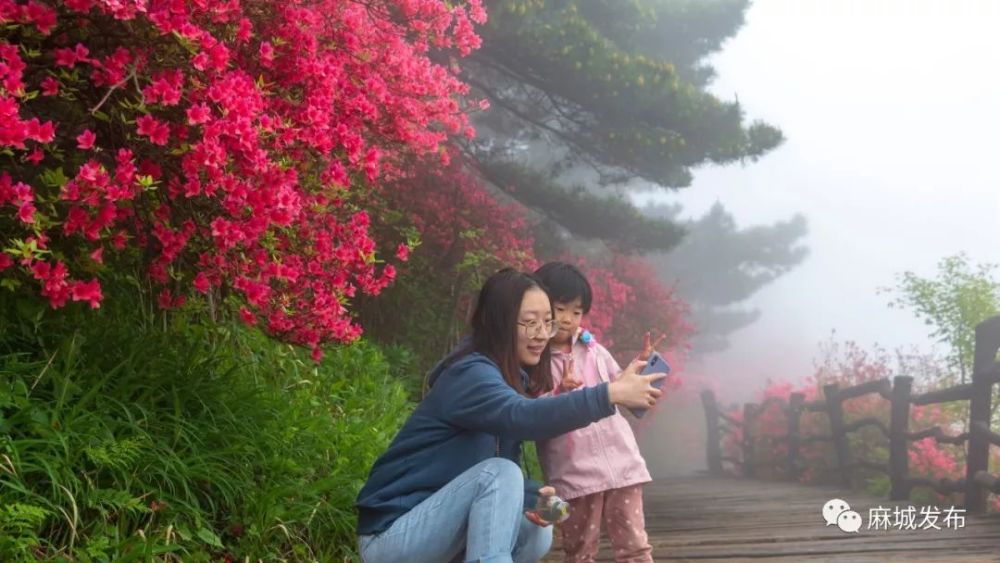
(466, 232)
(848, 365)
(629, 300)
(458, 233)
(217, 143)
(771, 424)
(461, 224)
(927, 457)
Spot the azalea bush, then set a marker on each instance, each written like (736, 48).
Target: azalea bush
(455, 233)
(461, 231)
(630, 300)
(219, 144)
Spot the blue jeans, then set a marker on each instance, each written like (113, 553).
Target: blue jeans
(478, 516)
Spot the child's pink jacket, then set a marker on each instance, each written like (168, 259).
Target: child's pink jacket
(601, 456)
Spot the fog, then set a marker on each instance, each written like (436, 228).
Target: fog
(890, 112)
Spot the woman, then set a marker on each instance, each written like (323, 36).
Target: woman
(450, 484)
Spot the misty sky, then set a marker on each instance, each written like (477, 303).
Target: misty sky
(891, 111)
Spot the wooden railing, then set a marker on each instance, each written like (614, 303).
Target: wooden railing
(976, 484)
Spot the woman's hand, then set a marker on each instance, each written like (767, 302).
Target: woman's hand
(543, 499)
(634, 390)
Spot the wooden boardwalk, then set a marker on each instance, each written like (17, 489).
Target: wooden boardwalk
(729, 519)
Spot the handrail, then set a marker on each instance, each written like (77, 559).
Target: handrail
(977, 483)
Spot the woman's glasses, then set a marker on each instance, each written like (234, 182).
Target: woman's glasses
(534, 328)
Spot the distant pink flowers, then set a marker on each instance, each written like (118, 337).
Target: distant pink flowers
(852, 366)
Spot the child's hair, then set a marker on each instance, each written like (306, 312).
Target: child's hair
(565, 283)
(494, 330)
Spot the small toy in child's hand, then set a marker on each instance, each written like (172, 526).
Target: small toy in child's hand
(552, 510)
(656, 364)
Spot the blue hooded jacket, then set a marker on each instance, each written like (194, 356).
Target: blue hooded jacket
(470, 414)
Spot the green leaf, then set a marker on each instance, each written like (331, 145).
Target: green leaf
(54, 177)
(10, 284)
(209, 537)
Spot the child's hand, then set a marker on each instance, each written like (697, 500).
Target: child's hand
(569, 379)
(648, 347)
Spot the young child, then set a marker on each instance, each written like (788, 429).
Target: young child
(597, 469)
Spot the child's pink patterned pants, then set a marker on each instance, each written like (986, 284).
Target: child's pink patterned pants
(621, 512)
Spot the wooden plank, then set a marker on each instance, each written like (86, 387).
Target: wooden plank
(880, 386)
(730, 519)
(991, 436)
(961, 392)
(939, 435)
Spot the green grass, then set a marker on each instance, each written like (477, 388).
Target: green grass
(131, 436)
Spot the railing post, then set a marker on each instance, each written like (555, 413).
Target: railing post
(899, 427)
(835, 410)
(713, 447)
(795, 402)
(977, 458)
(749, 411)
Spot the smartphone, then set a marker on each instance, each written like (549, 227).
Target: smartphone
(656, 364)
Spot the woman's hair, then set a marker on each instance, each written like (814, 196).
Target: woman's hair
(565, 282)
(495, 330)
